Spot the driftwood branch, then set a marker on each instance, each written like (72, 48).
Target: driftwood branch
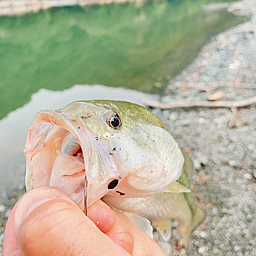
(212, 86)
(219, 104)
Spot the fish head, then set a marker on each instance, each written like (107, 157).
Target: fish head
(122, 148)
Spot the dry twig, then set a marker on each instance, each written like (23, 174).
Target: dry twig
(212, 86)
(219, 104)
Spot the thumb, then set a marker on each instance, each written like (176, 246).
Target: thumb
(47, 222)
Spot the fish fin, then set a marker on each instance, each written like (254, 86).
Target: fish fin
(141, 222)
(176, 187)
(164, 228)
(188, 164)
(198, 218)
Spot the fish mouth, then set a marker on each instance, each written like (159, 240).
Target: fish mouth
(60, 152)
(71, 147)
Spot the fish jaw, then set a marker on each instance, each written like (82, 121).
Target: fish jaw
(47, 165)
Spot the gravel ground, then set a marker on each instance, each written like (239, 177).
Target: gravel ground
(222, 144)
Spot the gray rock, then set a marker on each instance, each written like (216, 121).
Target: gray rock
(2, 208)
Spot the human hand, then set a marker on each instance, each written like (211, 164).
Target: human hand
(46, 222)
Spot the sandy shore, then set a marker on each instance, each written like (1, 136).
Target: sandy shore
(222, 145)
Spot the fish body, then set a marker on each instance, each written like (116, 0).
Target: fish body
(121, 148)
(160, 208)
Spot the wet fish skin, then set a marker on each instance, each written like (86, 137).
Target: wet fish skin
(160, 208)
(140, 153)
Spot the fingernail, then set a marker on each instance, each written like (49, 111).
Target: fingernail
(30, 201)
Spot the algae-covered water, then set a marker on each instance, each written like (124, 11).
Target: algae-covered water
(115, 45)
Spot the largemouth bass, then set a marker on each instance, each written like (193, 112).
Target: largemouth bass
(121, 148)
(175, 203)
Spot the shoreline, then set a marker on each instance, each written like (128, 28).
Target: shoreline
(17, 7)
(21, 7)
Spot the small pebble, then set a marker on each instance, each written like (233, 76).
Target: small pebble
(173, 116)
(225, 210)
(216, 250)
(232, 66)
(251, 147)
(238, 181)
(247, 176)
(232, 163)
(201, 120)
(214, 210)
(202, 249)
(249, 217)
(203, 159)
(2, 208)
(185, 122)
(203, 234)
(237, 248)
(216, 96)
(7, 214)
(183, 252)
(175, 223)
(197, 164)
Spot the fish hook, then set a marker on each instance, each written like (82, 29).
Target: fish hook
(85, 196)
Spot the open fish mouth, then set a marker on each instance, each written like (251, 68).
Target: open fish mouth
(68, 170)
(72, 147)
(58, 154)
(60, 150)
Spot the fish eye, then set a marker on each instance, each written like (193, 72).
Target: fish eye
(113, 120)
(113, 184)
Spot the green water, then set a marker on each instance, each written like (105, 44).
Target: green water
(114, 45)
